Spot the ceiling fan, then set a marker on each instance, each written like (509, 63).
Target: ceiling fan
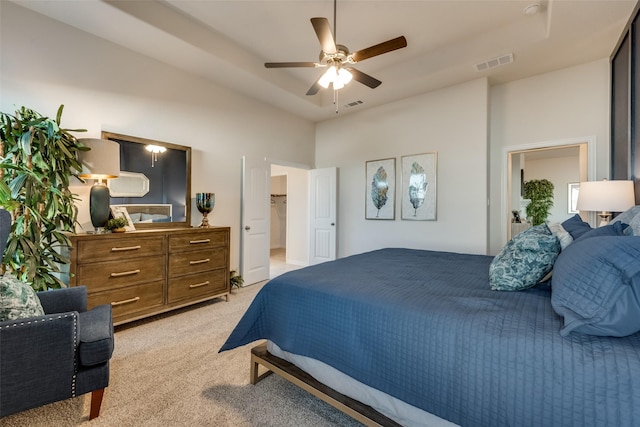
(338, 59)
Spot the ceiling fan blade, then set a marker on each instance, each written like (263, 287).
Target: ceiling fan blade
(289, 64)
(315, 87)
(364, 78)
(379, 49)
(323, 31)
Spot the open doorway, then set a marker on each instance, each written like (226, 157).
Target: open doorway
(564, 164)
(289, 213)
(278, 225)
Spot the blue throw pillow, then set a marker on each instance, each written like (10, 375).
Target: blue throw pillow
(615, 229)
(632, 217)
(525, 260)
(576, 226)
(596, 286)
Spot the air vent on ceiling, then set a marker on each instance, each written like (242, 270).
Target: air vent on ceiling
(353, 104)
(495, 62)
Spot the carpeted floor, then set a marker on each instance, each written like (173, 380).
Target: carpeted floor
(166, 371)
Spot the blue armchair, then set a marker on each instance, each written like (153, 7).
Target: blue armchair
(60, 355)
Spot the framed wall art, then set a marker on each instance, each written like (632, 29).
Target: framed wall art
(122, 212)
(573, 191)
(419, 187)
(380, 189)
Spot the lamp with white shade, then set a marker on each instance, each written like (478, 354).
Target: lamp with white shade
(102, 162)
(605, 197)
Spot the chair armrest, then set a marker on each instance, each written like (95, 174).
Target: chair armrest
(64, 300)
(96, 335)
(30, 374)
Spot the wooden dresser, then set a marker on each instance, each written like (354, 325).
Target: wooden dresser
(142, 273)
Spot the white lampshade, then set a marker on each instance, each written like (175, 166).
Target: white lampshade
(605, 196)
(102, 161)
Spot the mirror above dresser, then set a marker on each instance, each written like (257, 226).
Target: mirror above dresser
(155, 182)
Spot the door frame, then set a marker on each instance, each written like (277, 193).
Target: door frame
(505, 219)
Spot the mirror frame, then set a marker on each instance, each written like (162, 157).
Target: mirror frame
(143, 226)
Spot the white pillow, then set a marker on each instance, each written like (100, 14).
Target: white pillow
(563, 235)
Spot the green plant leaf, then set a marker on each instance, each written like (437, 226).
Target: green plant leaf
(38, 194)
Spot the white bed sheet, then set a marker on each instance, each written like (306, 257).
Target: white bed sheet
(399, 411)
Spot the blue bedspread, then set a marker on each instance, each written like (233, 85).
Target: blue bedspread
(425, 327)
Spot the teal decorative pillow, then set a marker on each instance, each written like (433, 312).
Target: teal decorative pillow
(525, 260)
(17, 299)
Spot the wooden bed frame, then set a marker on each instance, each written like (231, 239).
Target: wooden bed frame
(290, 372)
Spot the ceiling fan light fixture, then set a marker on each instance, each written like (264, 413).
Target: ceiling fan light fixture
(328, 77)
(344, 76)
(336, 76)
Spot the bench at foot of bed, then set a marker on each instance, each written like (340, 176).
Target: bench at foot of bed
(357, 410)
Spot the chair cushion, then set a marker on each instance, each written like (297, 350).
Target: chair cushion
(18, 299)
(96, 336)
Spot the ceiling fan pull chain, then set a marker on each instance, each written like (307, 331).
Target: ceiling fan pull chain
(335, 99)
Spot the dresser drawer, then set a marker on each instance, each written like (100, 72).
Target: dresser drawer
(128, 301)
(197, 241)
(182, 263)
(198, 285)
(115, 274)
(117, 249)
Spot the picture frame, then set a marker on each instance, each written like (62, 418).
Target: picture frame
(572, 197)
(380, 189)
(419, 187)
(121, 212)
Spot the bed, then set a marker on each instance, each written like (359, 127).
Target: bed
(426, 331)
(148, 213)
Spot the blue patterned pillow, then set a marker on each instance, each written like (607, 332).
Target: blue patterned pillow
(17, 299)
(525, 260)
(596, 286)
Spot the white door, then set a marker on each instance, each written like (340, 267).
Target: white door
(254, 228)
(322, 210)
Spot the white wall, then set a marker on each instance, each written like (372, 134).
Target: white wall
(106, 87)
(450, 121)
(565, 104)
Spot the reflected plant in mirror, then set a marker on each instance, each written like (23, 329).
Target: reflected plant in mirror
(156, 185)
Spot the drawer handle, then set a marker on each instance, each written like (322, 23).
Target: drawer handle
(195, 242)
(199, 261)
(197, 285)
(126, 301)
(125, 273)
(126, 248)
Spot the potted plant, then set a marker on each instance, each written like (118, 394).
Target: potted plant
(235, 279)
(116, 225)
(37, 159)
(540, 192)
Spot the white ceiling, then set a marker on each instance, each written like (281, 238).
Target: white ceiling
(229, 41)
